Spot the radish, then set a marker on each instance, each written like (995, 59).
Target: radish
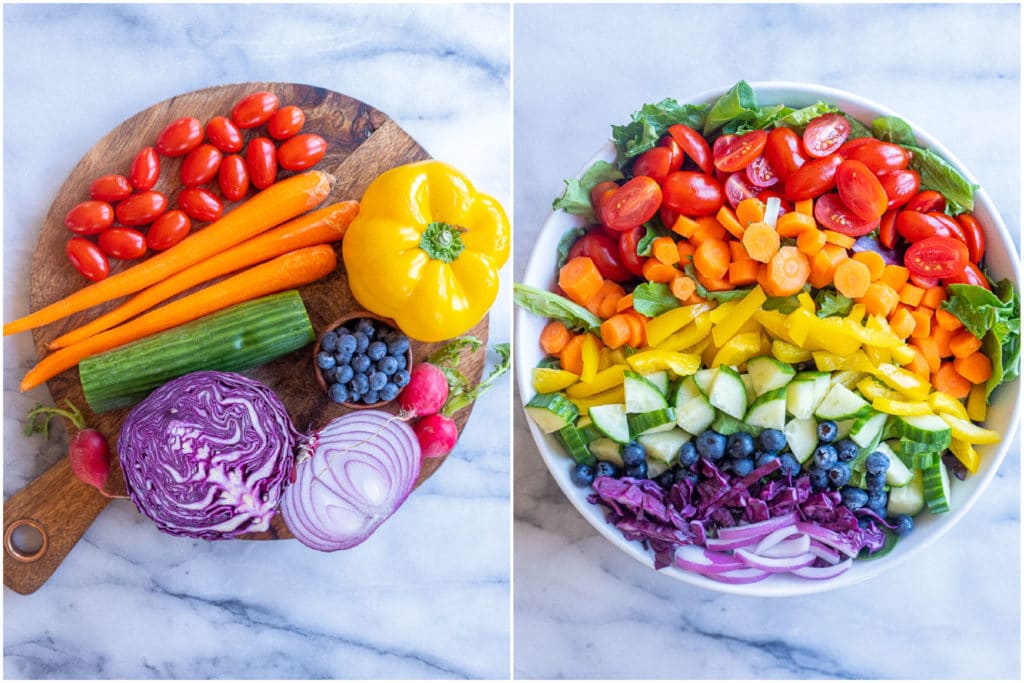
(88, 454)
(437, 435)
(425, 393)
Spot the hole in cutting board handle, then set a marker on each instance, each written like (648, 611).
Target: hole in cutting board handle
(26, 540)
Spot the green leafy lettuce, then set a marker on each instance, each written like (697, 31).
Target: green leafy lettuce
(937, 174)
(857, 129)
(650, 123)
(565, 244)
(828, 303)
(893, 129)
(654, 229)
(576, 197)
(993, 317)
(653, 298)
(738, 105)
(551, 305)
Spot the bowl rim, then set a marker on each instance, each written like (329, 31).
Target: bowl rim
(778, 586)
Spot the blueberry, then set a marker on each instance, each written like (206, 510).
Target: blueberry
(365, 325)
(741, 467)
(666, 479)
(765, 457)
(847, 450)
(338, 393)
(582, 474)
(684, 475)
(711, 445)
(360, 384)
(854, 497)
(789, 464)
(839, 475)
(402, 363)
(343, 373)
(827, 431)
(329, 342)
(378, 380)
(825, 456)
(688, 454)
(606, 469)
(342, 358)
(877, 500)
(875, 482)
(398, 346)
(904, 524)
(371, 396)
(876, 463)
(347, 344)
(361, 363)
(633, 454)
(342, 331)
(377, 350)
(388, 365)
(819, 478)
(638, 471)
(772, 440)
(362, 342)
(389, 392)
(739, 445)
(401, 378)
(325, 360)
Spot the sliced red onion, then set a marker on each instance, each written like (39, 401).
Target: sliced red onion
(775, 565)
(823, 572)
(789, 548)
(731, 543)
(775, 537)
(868, 243)
(747, 575)
(700, 560)
(824, 552)
(828, 537)
(771, 210)
(758, 530)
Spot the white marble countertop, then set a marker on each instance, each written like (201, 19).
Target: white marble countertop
(428, 595)
(583, 609)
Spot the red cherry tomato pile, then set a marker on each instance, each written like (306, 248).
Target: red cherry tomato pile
(119, 205)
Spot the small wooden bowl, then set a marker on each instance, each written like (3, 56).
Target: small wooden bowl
(356, 315)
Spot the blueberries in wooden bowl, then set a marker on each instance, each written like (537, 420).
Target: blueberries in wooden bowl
(362, 360)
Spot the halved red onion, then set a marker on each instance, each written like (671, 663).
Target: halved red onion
(758, 530)
(789, 548)
(701, 560)
(775, 565)
(828, 537)
(747, 575)
(823, 572)
(824, 552)
(775, 537)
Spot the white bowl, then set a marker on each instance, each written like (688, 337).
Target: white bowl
(1001, 261)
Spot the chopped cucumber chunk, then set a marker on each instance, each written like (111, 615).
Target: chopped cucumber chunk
(767, 373)
(664, 446)
(802, 437)
(805, 392)
(769, 410)
(728, 394)
(611, 420)
(551, 412)
(660, 420)
(936, 488)
(641, 395)
(909, 499)
(841, 404)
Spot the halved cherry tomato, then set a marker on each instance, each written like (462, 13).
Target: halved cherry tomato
(233, 178)
(734, 152)
(631, 204)
(90, 217)
(693, 145)
(261, 160)
(832, 212)
(286, 122)
(254, 109)
(692, 193)
(975, 236)
(737, 188)
(970, 275)
(881, 157)
(180, 137)
(676, 155)
(760, 174)
(110, 188)
(914, 226)
(604, 252)
(141, 208)
(923, 282)
(601, 191)
(925, 201)
(813, 179)
(200, 166)
(168, 230)
(655, 163)
(860, 190)
(224, 135)
(122, 243)
(940, 257)
(900, 186)
(145, 169)
(825, 134)
(784, 205)
(87, 258)
(301, 152)
(628, 241)
(850, 145)
(200, 204)
(887, 229)
(668, 216)
(784, 152)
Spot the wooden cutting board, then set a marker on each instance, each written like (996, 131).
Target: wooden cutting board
(362, 143)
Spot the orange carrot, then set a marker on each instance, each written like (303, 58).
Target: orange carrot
(761, 242)
(294, 269)
(922, 323)
(712, 284)
(929, 350)
(786, 273)
(750, 210)
(933, 296)
(571, 356)
(810, 242)
(902, 323)
(554, 337)
(942, 338)
(947, 320)
(852, 278)
(664, 249)
(737, 252)
(322, 226)
(743, 272)
(731, 222)
(975, 368)
(919, 366)
(712, 258)
(708, 228)
(685, 249)
(949, 381)
(838, 238)
(804, 206)
(608, 287)
(895, 276)
(606, 308)
(580, 279)
(682, 287)
(910, 294)
(656, 271)
(615, 331)
(280, 202)
(874, 262)
(962, 344)
(624, 303)
(880, 299)
(685, 226)
(793, 223)
(637, 328)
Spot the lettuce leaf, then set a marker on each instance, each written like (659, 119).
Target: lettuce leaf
(576, 197)
(857, 129)
(993, 317)
(551, 305)
(653, 298)
(565, 244)
(650, 123)
(893, 129)
(830, 304)
(738, 105)
(654, 229)
(938, 174)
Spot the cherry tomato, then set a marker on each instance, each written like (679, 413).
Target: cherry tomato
(632, 204)
(261, 160)
(200, 204)
(90, 217)
(601, 192)
(180, 137)
(860, 190)
(887, 229)
(925, 201)
(168, 230)
(692, 193)
(233, 178)
(849, 146)
(923, 282)
(737, 188)
(900, 186)
(784, 152)
(302, 152)
(914, 226)
(830, 211)
(813, 179)
(734, 152)
(668, 216)
(145, 169)
(970, 275)
(604, 252)
(975, 236)
(87, 258)
(676, 155)
(254, 109)
(224, 135)
(200, 166)
(110, 188)
(655, 163)
(141, 209)
(286, 122)
(940, 257)
(760, 174)
(693, 145)
(628, 241)
(784, 205)
(122, 243)
(825, 134)
(881, 157)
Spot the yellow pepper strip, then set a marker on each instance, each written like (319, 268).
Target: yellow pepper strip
(874, 333)
(806, 302)
(871, 389)
(693, 333)
(829, 362)
(799, 324)
(603, 381)
(907, 383)
(590, 352)
(701, 346)
(616, 357)
(723, 311)
(966, 454)
(775, 323)
(944, 403)
(789, 353)
(739, 349)
(659, 328)
(654, 360)
(969, 432)
(856, 313)
(903, 354)
(977, 405)
(727, 328)
(616, 395)
(550, 380)
(828, 334)
(750, 326)
(877, 355)
(891, 407)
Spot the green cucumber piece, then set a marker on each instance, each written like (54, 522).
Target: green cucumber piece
(909, 499)
(898, 474)
(573, 441)
(606, 449)
(936, 488)
(726, 425)
(841, 404)
(694, 413)
(805, 392)
(610, 419)
(930, 430)
(768, 373)
(728, 394)
(912, 456)
(237, 338)
(769, 410)
(659, 379)
(664, 446)
(704, 378)
(802, 437)
(660, 420)
(847, 378)
(641, 395)
(868, 430)
(589, 432)
(552, 412)
(749, 386)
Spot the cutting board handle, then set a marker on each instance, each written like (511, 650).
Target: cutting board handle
(56, 506)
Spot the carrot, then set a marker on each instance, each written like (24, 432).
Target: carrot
(911, 294)
(750, 210)
(894, 276)
(874, 262)
(708, 228)
(685, 226)
(580, 279)
(918, 365)
(880, 299)
(975, 368)
(743, 272)
(786, 273)
(656, 271)
(571, 356)
(280, 202)
(962, 344)
(328, 224)
(949, 381)
(761, 242)
(810, 242)
(664, 249)
(712, 258)
(712, 284)
(615, 331)
(637, 328)
(852, 278)
(902, 323)
(293, 269)
(933, 296)
(730, 221)
(695, 298)
(624, 303)
(682, 287)
(554, 337)
(942, 339)
(791, 224)
(947, 320)
(922, 323)
(838, 238)
(804, 206)
(685, 249)
(606, 308)
(737, 252)
(929, 351)
(607, 287)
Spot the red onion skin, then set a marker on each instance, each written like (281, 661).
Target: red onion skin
(437, 435)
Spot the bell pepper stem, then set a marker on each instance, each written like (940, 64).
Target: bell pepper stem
(443, 241)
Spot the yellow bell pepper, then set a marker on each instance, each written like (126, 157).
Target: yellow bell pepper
(789, 353)
(692, 334)
(830, 362)
(907, 383)
(615, 395)
(728, 326)
(969, 432)
(604, 380)
(681, 364)
(944, 403)
(660, 327)
(872, 389)
(977, 406)
(425, 250)
(550, 380)
(891, 407)
(966, 454)
(590, 352)
(738, 350)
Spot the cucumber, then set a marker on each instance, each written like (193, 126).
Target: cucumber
(236, 338)
(909, 499)
(768, 373)
(929, 430)
(660, 420)
(805, 392)
(802, 437)
(588, 432)
(573, 441)
(694, 413)
(898, 474)
(749, 386)
(704, 378)
(728, 394)
(664, 446)
(867, 431)
(727, 425)
(841, 404)
(769, 410)
(847, 378)
(641, 395)
(659, 379)
(606, 449)
(913, 457)
(936, 488)
(611, 420)
(655, 468)
(552, 412)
